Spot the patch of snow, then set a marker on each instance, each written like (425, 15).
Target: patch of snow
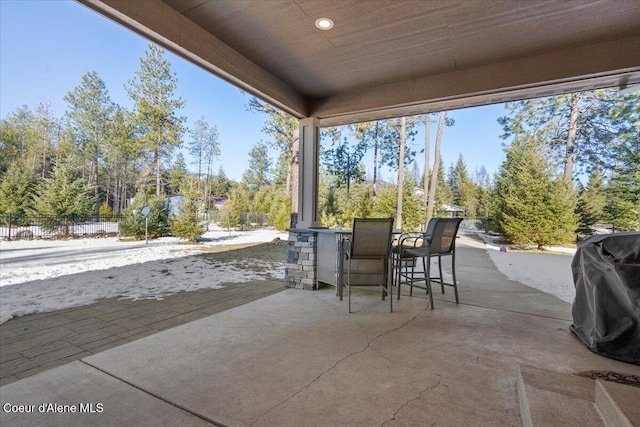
(549, 273)
(82, 271)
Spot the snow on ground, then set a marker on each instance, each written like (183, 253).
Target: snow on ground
(549, 273)
(28, 260)
(82, 271)
(110, 268)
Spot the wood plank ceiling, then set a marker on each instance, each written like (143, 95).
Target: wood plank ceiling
(394, 57)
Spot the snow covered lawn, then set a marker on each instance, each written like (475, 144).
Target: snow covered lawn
(82, 271)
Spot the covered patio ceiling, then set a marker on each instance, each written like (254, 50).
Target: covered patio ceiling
(386, 58)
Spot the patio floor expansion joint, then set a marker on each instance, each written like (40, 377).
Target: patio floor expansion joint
(545, 316)
(366, 347)
(167, 401)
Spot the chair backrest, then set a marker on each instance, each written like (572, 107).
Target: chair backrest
(431, 226)
(424, 240)
(443, 239)
(371, 237)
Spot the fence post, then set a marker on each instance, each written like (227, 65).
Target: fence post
(9, 226)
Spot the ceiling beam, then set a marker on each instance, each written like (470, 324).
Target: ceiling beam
(608, 64)
(614, 63)
(162, 25)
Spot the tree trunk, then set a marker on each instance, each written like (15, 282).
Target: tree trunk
(123, 189)
(207, 185)
(348, 174)
(44, 163)
(436, 167)
(375, 160)
(427, 136)
(116, 189)
(107, 189)
(199, 166)
(571, 138)
(94, 167)
(403, 123)
(158, 161)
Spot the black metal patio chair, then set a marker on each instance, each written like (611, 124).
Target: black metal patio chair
(439, 240)
(370, 240)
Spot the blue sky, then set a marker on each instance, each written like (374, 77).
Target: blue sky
(47, 46)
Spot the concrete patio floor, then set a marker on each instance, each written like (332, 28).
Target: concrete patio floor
(297, 358)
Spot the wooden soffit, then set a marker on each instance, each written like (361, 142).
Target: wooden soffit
(387, 58)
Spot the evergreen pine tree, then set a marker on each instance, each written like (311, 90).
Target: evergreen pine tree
(623, 195)
(204, 145)
(443, 193)
(463, 188)
(483, 194)
(578, 127)
(220, 184)
(132, 223)
(283, 128)
(187, 223)
(623, 208)
(237, 207)
(591, 203)
(259, 171)
(365, 204)
(178, 175)
(17, 189)
(280, 213)
(89, 117)
(534, 206)
(623, 190)
(413, 209)
(159, 127)
(386, 202)
(63, 195)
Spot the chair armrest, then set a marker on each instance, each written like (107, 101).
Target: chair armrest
(346, 246)
(411, 240)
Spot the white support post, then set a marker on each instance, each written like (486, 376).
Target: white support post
(308, 163)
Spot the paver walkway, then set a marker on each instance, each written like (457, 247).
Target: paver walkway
(38, 342)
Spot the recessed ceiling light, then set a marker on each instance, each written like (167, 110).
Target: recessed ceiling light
(324, 23)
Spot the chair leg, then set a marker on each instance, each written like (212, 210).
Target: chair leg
(384, 289)
(349, 284)
(398, 272)
(428, 280)
(453, 273)
(393, 266)
(388, 287)
(440, 271)
(413, 270)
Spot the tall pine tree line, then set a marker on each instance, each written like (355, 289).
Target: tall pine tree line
(589, 134)
(117, 153)
(113, 151)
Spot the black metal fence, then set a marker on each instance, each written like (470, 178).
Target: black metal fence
(28, 227)
(245, 221)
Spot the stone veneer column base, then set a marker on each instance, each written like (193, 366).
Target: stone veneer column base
(300, 270)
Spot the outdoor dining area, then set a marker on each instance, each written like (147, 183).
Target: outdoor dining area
(374, 254)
